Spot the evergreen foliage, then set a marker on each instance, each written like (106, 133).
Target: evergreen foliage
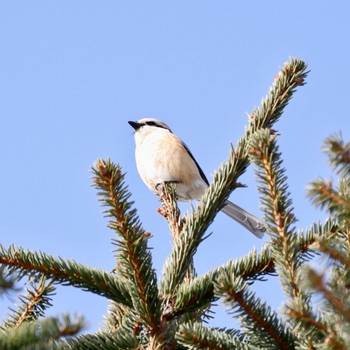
(169, 312)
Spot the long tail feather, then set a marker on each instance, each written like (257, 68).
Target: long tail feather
(249, 221)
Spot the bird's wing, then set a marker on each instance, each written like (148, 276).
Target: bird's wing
(198, 167)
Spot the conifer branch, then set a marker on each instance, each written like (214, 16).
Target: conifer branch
(170, 210)
(7, 280)
(279, 213)
(333, 322)
(124, 324)
(338, 154)
(324, 195)
(225, 179)
(193, 295)
(316, 281)
(252, 267)
(66, 272)
(200, 291)
(307, 320)
(259, 322)
(101, 340)
(275, 198)
(135, 261)
(196, 336)
(119, 316)
(336, 199)
(306, 239)
(40, 334)
(33, 305)
(292, 75)
(325, 246)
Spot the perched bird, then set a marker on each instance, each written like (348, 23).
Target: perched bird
(161, 157)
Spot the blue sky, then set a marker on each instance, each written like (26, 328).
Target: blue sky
(72, 73)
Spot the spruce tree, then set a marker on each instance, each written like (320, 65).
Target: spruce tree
(147, 311)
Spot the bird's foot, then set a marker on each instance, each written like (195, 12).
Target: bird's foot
(160, 186)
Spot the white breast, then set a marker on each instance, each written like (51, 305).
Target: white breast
(161, 157)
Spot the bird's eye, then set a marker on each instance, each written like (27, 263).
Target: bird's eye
(151, 123)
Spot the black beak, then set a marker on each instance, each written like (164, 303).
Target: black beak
(135, 125)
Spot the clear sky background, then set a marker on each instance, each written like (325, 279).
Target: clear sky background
(72, 73)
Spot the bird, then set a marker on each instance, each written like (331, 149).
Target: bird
(162, 157)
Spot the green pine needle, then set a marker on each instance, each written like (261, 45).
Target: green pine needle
(40, 334)
(134, 260)
(67, 272)
(33, 305)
